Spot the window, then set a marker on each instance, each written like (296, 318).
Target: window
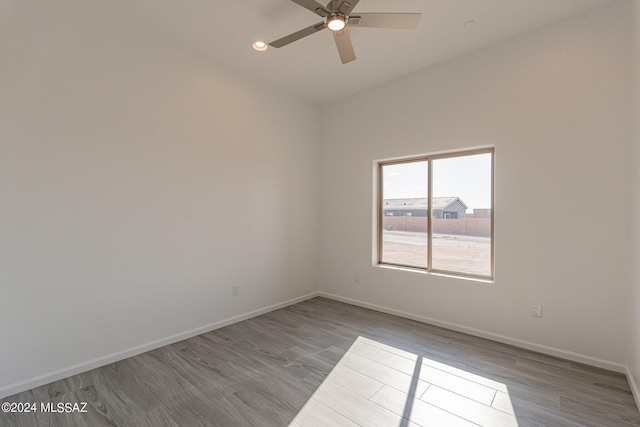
(435, 213)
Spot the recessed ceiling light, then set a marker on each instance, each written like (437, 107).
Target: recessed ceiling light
(260, 46)
(469, 23)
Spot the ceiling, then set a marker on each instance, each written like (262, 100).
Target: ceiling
(225, 30)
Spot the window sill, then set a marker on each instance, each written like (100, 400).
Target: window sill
(436, 273)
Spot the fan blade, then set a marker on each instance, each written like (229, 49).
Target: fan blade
(345, 47)
(346, 6)
(405, 21)
(314, 7)
(298, 35)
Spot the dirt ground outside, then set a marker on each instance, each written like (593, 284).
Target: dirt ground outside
(464, 254)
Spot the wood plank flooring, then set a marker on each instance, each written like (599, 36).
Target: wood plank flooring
(325, 363)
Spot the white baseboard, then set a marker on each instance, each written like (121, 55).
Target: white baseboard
(634, 387)
(40, 380)
(576, 357)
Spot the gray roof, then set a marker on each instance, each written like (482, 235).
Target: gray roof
(420, 203)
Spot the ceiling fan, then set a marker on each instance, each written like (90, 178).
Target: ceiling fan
(338, 18)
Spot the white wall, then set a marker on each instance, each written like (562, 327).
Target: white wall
(555, 104)
(137, 184)
(634, 339)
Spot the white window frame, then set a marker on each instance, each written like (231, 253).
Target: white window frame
(379, 214)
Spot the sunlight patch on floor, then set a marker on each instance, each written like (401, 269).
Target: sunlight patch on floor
(375, 384)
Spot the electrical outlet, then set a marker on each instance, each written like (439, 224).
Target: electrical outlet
(536, 311)
(235, 290)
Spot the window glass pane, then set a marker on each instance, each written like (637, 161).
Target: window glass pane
(461, 240)
(404, 210)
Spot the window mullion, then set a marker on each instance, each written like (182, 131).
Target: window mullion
(380, 215)
(429, 216)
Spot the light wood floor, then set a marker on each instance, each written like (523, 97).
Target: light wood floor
(322, 362)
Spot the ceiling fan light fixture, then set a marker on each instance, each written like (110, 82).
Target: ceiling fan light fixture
(336, 16)
(336, 22)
